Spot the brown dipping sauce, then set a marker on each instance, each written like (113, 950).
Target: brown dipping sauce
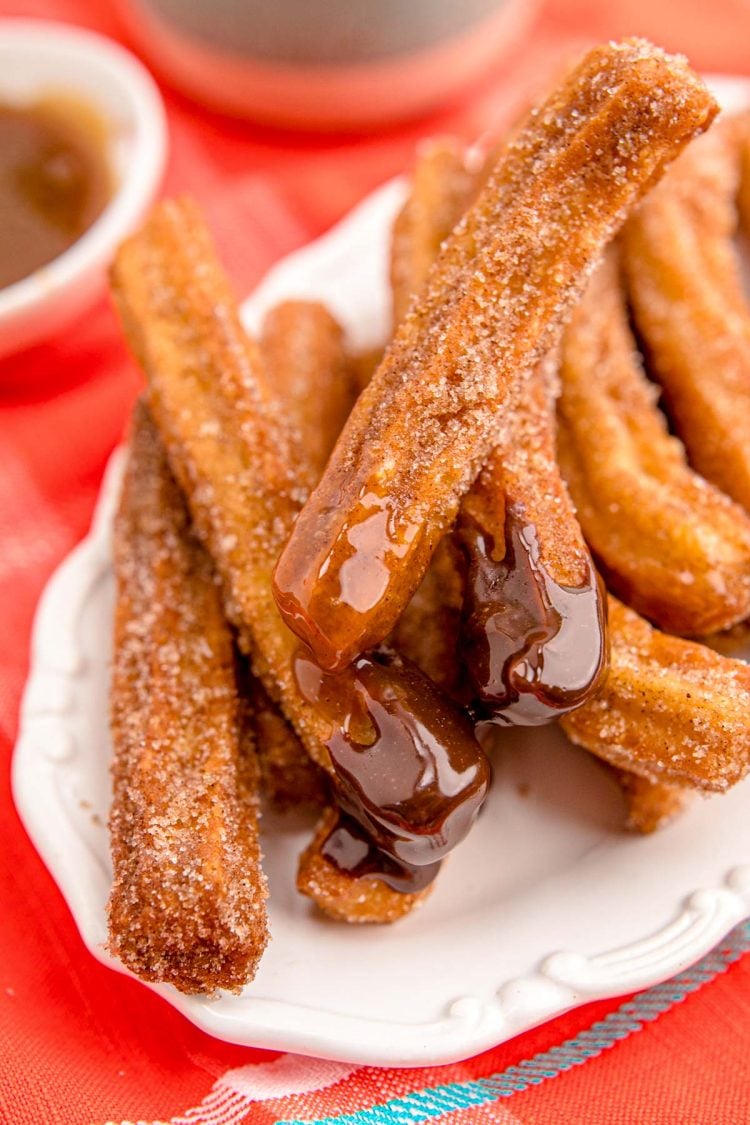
(351, 850)
(54, 181)
(408, 767)
(534, 649)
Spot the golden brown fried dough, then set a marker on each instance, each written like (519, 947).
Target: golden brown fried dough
(672, 545)
(496, 296)
(534, 632)
(289, 777)
(235, 460)
(228, 445)
(343, 895)
(188, 900)
(670, 710)
(523, 545)
(441, 189)
(685, 286)
(650, 805)
(303, 351)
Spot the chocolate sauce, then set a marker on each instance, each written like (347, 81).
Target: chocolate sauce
(350, 849)
(534, 649)
(408, 766)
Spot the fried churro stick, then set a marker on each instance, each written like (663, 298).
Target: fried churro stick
(442, 188)
(341, 870)
(670, 710)
(289, 777)
(188, 899)
(350, 880)
(235, 460)
(650, 805)
(499, 291)
(534, 632)
(672, 545)
(303, 351)
(533, 635)
(428, 630)
(685, 286)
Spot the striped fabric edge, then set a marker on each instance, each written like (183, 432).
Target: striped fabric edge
(629, 1018)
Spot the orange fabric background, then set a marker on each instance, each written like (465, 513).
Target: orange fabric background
(79, 1043)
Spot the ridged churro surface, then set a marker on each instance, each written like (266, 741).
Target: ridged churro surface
(188, 899)
(669, 709)
(685, 285)
(674, 546)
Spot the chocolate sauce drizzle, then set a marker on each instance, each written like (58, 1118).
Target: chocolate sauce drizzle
(534, 648)
(350, 849)
(408, 767)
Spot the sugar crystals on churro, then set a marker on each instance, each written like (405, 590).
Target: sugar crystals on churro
(383, 575)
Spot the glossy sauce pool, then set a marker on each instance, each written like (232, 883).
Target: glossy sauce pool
(55, 181)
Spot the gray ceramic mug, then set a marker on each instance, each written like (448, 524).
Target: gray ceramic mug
(325, 63)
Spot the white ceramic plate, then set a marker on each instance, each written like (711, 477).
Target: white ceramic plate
(546, 905)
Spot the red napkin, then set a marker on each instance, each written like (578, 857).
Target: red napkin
(79, 1043)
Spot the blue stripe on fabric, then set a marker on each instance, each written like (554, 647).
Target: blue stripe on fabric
(647, 1006)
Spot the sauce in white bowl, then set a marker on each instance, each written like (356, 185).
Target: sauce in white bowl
(55, 65)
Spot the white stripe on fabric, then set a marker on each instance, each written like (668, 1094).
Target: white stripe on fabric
(232, 1095)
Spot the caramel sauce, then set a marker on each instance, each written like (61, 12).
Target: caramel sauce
(350, 850)
(408, 767)
(54, 181)
(534, 649)
(326, 605)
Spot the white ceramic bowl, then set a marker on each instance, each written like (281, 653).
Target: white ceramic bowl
(40, 58)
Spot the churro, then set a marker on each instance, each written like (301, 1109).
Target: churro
(235, 459)
(670, 710)
(650, 805)
(187, 904)
(675, 547)
(441, 189)
(349, 879)
(305, 361)
(302, 347)
(289, 777)
(341, 870)
(685, 286)
(533, 635)
(498, 293)
(534, 631)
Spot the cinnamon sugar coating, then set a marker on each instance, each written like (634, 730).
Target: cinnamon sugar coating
(674, 546)
(302, 346)
(685, 285)
(441, 189)
(229, 444)
(500, 290)
(342, 896)
(187, 905)
(521, 473)
(650, 805)
(670, 710)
